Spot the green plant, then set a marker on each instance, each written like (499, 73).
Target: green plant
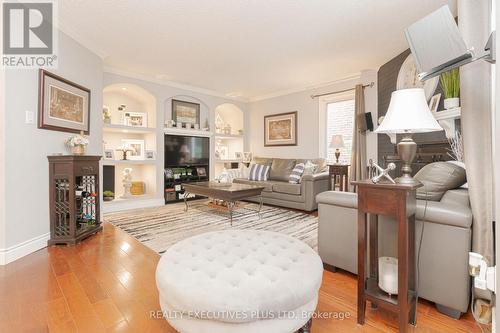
(108, 194)
(450, 82)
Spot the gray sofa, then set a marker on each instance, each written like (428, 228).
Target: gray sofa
(279, 192)
(444, 277)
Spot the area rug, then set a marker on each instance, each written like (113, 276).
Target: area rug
(160, 227)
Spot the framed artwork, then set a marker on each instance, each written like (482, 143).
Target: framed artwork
(150, 154)
(62, 105)
(280, 129)
(137, 147)
(434, 102)
(109, 154)
(185, 112)
(136, 119)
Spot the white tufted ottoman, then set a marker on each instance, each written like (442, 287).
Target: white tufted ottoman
(239, 281)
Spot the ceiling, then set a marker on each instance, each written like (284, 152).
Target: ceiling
(241, 48)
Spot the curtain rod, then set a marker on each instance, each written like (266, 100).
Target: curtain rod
(371, 84)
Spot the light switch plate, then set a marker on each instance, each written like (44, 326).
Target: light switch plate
(30, 117)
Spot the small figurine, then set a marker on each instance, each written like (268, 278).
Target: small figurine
(127, 182)
(384, 173)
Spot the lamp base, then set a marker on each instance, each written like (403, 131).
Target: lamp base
(407, 150)
(337, 155)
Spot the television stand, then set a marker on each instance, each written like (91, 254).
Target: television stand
(183, 174)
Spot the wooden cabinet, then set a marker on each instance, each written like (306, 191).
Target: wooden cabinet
(74, 198)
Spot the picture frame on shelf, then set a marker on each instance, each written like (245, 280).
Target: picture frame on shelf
(109, 154)
(238, 155)
(201, 172)
(169, 173)
(280, 129)
(62, 105)
(185, 112)
(434, 102)
(150, 154)
(137, 147)
(136, 119)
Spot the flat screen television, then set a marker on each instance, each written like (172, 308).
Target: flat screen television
(186, 150)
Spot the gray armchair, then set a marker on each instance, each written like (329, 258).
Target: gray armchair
(444, 277)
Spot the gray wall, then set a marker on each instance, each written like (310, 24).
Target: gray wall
(27, 199)
(308, 119)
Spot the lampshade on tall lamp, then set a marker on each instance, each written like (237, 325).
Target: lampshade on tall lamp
(408, 113)
(337, 143)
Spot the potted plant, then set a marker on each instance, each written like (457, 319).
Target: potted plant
(108, 196)
(450, 82)
(77, 144)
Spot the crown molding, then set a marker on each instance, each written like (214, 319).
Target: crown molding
(356, 76)
(147, 78)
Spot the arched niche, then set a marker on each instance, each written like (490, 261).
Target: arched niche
(204, 108)
(229, 114)
(135, 99)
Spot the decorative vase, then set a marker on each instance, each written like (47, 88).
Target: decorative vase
(78, 150)
(451, 103)
(108, 198)
(388, 275)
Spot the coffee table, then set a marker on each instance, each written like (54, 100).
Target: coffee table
(227, 192)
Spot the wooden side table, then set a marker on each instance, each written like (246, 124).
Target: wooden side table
(398, 201)
(340, 172)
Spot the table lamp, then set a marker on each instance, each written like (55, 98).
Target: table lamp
(408, 113)
(337, 143)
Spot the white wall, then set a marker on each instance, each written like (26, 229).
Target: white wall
(26, 168)
(308, 118)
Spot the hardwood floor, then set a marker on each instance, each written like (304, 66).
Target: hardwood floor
(107, 284)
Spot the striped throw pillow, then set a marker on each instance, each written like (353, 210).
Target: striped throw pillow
(296, 175)
(259, 172)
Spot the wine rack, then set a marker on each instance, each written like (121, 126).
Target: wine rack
(74, 198)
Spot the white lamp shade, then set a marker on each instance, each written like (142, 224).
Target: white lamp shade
(337, 141)
(408, 113)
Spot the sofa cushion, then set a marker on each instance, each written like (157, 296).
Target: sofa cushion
(268, 186)
(281, 169)
(262, 160)
(259, 172)
(439, 177)
(286, 188)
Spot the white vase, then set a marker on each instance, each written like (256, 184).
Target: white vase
(388, 275)
(451, 103)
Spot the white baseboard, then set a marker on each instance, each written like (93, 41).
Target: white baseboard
(20, 250)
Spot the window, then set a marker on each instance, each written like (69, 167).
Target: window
(340, 120)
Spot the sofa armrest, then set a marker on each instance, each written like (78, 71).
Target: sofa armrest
(338, 198)
(316, 176)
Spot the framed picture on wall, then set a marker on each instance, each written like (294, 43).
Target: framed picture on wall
(137, 149)
(185, 112)
(280, 129)
(62, 105)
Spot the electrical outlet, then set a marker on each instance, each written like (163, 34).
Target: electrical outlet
(30, 117)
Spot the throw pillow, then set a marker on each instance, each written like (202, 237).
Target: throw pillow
(296, 175)
(439, 177)
(259, 172)
(310, 168)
